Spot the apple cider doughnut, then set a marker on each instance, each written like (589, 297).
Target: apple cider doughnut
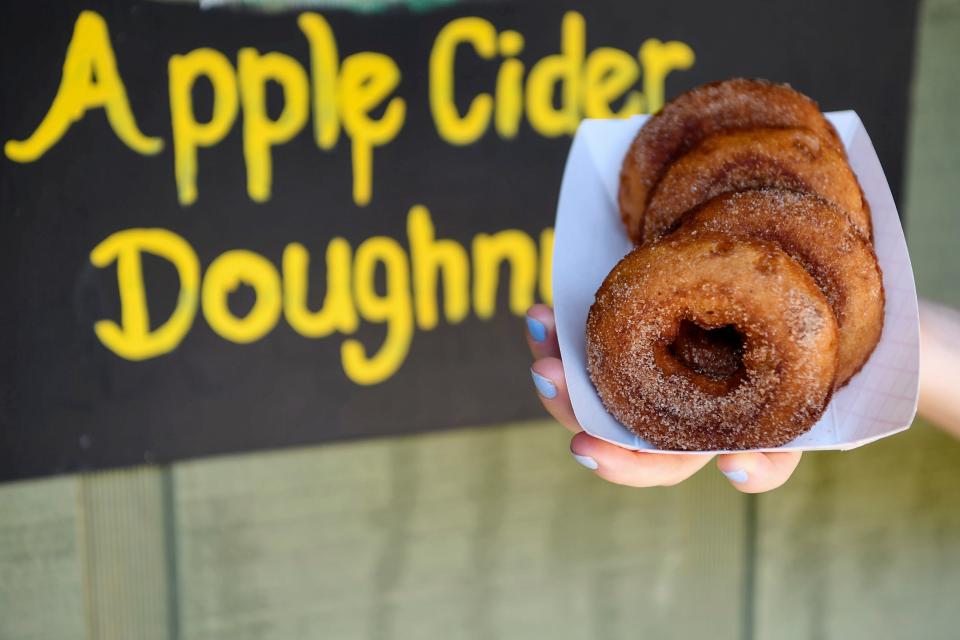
(788, 331)
(685, 121)
(792, 159)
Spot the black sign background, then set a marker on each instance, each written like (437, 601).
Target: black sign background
(67, 403)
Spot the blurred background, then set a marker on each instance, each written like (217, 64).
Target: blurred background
(269, 491)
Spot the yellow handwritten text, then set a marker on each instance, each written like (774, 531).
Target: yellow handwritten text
(343, 95)
(90, 80)
(406, 302)
(588, 84)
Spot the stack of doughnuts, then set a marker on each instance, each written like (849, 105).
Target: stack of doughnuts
(753, 291)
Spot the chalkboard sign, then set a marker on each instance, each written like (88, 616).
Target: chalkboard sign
(228, 228)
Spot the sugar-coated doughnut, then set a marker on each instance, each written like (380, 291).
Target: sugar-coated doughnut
(730, 105)
(822, 239)
(794, 159)
(789, 337)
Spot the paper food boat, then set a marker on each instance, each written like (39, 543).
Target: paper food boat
(590, 239)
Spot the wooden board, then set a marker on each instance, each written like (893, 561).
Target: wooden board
(85, 557)
(126, 557)
(41, 568)
(864, 544)
(492, 533)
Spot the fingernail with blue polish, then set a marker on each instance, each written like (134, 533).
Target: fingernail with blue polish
(537, 330)
(737, 475)
(543, 385)
(586, 461)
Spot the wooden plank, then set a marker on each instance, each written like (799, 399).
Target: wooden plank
(41, 579)
(932, 213)
(125, 555)
(487, 533)
(85, 557)
(864, 544)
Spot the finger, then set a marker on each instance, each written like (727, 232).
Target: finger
(551, 386)
(634, 468)
(755, 472)
(542, 332)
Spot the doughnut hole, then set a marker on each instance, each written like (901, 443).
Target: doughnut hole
(713, 352)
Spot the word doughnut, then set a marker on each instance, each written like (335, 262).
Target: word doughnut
(792, 159)
(719, 107)
(788, 331)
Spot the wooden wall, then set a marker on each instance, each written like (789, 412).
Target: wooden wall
(496, 533)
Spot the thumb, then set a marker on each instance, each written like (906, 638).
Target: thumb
(758, 472)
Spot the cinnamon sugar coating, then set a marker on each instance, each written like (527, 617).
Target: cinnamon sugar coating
(792, 159)
(825, 242)
(789, 334)
(730, 105)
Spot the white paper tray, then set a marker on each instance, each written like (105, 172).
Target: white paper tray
(879, 401)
